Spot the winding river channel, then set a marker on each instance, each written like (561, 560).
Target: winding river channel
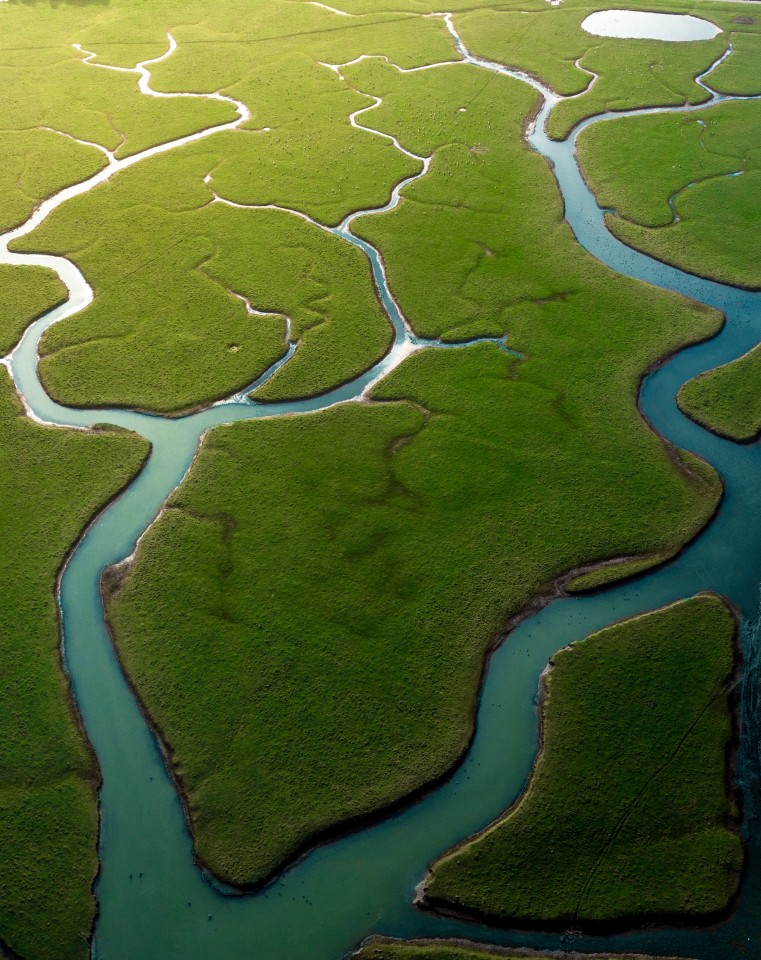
(154, 903)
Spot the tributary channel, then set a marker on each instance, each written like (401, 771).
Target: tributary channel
(154, 903)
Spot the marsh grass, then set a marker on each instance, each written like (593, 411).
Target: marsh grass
(671, 182)
(307, 623)
(727, 399)
(24, 296)
(166, 264)
(37, 163)
(51, 483)
(380, 948)
(50, 87)
(740, 72)
(549, 43)
(627, 815)
(341, 577)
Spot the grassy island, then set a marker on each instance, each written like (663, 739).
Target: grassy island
(628, 814)
(685, 187)
(727, 400)
(307, 622)
(137, 346)
(166, 261)
(344, 575)
(380, 948)
(52, 482)
(24, 296)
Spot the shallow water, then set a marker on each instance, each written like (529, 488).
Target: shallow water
(643, 25)
(154, 902)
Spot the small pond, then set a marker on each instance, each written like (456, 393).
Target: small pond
(641, 25)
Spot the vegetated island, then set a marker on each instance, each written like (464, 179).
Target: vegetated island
(24, 296)
(322, 582)
(401, 507)
(684, 188)
(727, 399)
(630, 813)
(549, 43)
(386, 948)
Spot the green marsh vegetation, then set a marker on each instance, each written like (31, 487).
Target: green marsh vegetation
(51, 483)
(685, 188)
(310, 158)
(601, 574)
(340, 577)
(24, 296)
(379, 948)
(551, 44)
(169, 267)
(37, 163)
(740, 72)
(467, 259)
(325, 588)
(49, 87)
(627, 813)
(727, 399)
(162, 266)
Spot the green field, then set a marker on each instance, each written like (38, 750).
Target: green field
(627, 814)
(378, 948)
(146, 241)
(56, 97)
(307, 622)
(430, 517)
(165, 264)
(120, 349)
(550, 44)
(727, 400)
(686, 188)
(739, 73)
(48, 778)
(37, 163)
(228, 591)
(24, 296)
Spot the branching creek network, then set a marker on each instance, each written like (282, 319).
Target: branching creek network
(153, 900)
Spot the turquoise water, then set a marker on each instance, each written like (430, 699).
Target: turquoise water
(154, 902)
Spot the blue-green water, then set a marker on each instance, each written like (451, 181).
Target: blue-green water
(154, 903)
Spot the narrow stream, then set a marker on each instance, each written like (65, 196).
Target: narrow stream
(154, 903)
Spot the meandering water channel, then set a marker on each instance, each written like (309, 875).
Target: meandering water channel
(153, 901)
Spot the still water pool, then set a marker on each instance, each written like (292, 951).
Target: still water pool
(643, 25)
